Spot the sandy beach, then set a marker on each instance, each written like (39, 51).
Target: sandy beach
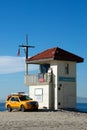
(43, 120)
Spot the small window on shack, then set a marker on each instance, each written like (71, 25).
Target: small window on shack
(66, 68)
(44, 68)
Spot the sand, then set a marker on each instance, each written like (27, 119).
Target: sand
(43, 120)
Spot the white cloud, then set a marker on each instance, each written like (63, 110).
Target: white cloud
(11, 64)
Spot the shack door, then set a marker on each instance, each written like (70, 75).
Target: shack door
(67, 96)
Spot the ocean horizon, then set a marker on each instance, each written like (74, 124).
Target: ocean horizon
(81, 107)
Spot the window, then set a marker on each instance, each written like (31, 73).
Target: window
(14, 99)
(44, 68)
(39, 94)
(66, 68)
(24, 98)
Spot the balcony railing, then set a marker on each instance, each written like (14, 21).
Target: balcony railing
(36, 79)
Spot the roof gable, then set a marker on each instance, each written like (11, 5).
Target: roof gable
(56, 54)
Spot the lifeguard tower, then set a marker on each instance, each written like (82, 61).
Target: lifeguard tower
(54, 87)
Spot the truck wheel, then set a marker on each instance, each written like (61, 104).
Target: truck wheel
(22, 108)
(9, 108)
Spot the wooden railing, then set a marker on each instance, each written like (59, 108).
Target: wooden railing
(35, 79)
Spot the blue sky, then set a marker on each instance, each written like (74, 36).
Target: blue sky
(48, 23)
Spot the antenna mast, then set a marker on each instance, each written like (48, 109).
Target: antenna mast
(26, 46)
(26, 50)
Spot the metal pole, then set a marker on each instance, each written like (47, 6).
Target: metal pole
(26, 48)
(26, 53)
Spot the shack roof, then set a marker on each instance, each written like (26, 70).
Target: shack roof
(55, 53)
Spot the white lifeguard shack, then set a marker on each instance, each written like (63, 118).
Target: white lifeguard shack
(55, 86)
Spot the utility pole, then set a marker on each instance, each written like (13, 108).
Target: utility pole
(26, 51)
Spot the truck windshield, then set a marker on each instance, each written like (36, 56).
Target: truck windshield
(24, 97)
